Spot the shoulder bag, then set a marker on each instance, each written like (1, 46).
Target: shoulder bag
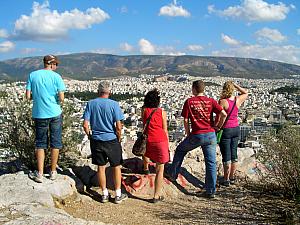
(139, 147)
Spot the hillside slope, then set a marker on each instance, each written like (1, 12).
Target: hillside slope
(85, 66)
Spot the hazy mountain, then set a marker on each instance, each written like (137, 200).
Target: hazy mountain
(85, 66)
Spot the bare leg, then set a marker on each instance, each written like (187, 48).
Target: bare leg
(146, 163)
(159, 179)
(101, 177)
(226, 168)
(117, 177)
(40, 156)
(233, 169)
(54, 158)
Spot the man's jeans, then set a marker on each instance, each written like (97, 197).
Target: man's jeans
(208, 144)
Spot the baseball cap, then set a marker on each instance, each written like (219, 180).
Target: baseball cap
(50, 59)
(104, 87)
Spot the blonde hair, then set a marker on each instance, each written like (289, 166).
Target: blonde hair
(228, 89)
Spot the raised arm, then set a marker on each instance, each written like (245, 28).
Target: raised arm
(243, 95)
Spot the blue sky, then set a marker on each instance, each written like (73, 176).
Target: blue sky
(263, 29)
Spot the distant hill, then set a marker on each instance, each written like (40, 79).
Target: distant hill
(84, 66)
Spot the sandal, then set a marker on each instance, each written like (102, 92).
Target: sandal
(147, 172)
(156, 200)
(232, 180)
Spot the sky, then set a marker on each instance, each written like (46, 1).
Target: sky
(263, 29)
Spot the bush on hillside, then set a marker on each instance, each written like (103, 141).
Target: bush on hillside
(281, 158)
(18, 136)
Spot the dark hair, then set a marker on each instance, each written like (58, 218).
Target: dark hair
(152, 99)
(199, 86)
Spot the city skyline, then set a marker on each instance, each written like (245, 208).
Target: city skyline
(262, 29)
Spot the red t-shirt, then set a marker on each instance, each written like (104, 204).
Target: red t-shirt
(155, 129)
(199, 110)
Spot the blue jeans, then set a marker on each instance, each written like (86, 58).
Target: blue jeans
(228, 144)
(41, 132)
(208, 144)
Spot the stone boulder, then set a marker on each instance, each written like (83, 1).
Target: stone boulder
(23, 201)
(18, 188)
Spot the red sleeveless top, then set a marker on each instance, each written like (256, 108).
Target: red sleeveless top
(155, 129)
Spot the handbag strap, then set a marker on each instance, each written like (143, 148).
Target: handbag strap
(148, 120)
(227, 118)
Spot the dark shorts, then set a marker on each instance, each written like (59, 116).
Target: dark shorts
(42, 128)
(106, 151)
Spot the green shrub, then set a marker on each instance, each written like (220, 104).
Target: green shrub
(18, 136)
(281, 158)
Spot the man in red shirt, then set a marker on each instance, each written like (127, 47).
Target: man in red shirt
(198, 110)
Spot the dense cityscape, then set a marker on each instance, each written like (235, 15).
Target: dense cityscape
(263, 110)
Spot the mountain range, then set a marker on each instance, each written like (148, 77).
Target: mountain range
(86, 66)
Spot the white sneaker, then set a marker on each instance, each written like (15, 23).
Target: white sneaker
(36, 176)
(119, 199)
(53, 175)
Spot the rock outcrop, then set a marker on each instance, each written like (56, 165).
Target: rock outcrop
(23, 201)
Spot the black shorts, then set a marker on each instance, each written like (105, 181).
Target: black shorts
(106, 151)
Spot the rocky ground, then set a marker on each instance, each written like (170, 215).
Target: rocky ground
(237, 204)
(67, 200)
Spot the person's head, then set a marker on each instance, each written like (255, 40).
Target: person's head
(50, 61)
(198, 87)
(152, 99)
(228, 89)
(104, 88)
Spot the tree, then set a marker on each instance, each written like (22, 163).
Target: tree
(18, 136)
(281, 157)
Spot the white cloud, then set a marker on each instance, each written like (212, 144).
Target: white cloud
(269, 35)
(6, 46)
(254, 11)
(173, 10)
(287, 53)
(46, 25)
(126, 47)
(298, 31)
(229, 40)
(195, 48)
(168, 50)
(3, 33)
(124, 9)
(176, 53)
(26, 51)
(104, 51)
(146, 47)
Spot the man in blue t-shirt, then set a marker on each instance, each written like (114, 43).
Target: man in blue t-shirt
(46, 88)
(102, 123)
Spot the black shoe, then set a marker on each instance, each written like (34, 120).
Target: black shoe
(225, 183)
(157, 200)
(119, 199)
(104, 198)
(169, 177)
(206, 195)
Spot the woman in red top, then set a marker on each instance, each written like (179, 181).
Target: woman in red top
(157, 143)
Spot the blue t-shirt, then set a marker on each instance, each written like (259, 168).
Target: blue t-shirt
(44, 86)
(102, 113)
